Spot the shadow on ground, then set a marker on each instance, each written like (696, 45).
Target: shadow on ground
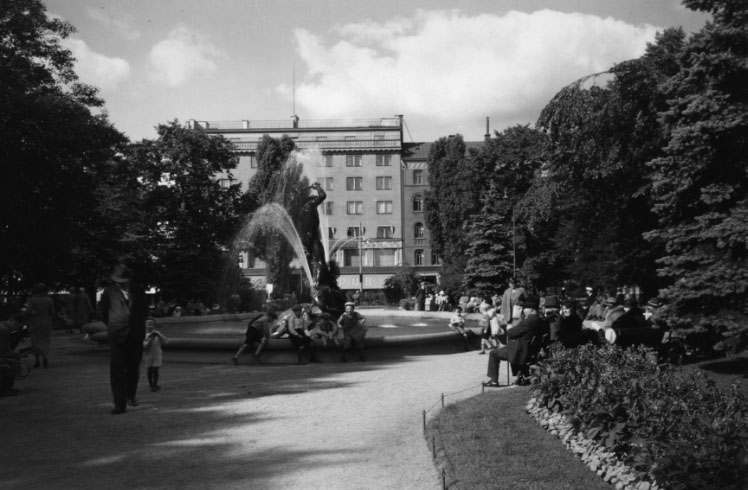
(200, 431)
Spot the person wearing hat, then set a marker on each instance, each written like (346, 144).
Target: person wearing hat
(518, 350)
(124, 309)
(258, 332)
(354, 331)
(324, 330)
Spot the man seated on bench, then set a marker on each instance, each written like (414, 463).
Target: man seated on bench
(518, 350)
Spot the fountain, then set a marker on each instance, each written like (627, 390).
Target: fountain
(308, 239)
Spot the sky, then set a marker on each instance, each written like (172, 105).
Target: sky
(444, 65)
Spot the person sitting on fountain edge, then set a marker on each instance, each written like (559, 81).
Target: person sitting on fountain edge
(518, 348)
(295, 324)
(354, 331)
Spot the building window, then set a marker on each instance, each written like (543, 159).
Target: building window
(327, 207)
(384, 183)
(321, 138)
(351, 257)
(353, 232)
(418, 257)
(384, 160)
(355, 207)
(353, 160)
(354, 183)
(328, 160)
(253, 162)
(327, 183)
(384, 258)
(331, 232)
(418, 230)
(385, 231)
(418, 177)
(418, 204)
(384, 207)
(435, 260)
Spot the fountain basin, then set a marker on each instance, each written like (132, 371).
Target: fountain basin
(391, 332)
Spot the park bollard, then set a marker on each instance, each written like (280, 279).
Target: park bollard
(442, 400)
(424, 420)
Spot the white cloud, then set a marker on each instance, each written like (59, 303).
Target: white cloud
(118, 23)
(453, 68)
(97, 69)
(182, 56)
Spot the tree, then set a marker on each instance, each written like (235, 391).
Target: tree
(701, 184)
(512, 160)
(53, 149)
(456, 184)
(180, 219)
(601, 137)
(279, 179)
(489, 262)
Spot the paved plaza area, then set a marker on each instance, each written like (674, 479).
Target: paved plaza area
(215, 425)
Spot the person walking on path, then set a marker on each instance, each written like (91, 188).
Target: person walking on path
(153, 355)
(123, 308)
(258, 332)
(354, 331)
(40, 313)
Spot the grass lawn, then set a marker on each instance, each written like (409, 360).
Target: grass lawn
(489, 441)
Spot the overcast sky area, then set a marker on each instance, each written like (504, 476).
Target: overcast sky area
(444, 65)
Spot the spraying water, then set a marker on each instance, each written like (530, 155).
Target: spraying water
(274, 217)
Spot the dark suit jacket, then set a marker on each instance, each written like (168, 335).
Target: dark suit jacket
(113, 302)
(520, 337)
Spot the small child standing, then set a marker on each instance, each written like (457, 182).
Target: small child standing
(152, 353)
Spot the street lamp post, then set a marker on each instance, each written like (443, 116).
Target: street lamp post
(360, 259)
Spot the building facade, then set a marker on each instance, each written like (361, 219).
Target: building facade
(359, 165)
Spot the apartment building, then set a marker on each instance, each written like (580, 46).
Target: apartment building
(359, 165)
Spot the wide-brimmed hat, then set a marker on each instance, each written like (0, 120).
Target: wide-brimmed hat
(121, 273)
(350, 303)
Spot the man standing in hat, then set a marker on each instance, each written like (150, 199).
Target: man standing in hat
(518, 348)
(352, 324)
(123, 308)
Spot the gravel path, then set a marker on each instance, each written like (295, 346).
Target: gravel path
(215, 425)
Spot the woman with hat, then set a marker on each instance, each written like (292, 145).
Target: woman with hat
(354, 331)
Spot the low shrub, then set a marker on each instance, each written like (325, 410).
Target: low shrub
(669, 426)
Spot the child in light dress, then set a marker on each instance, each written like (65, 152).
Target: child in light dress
(152, 353)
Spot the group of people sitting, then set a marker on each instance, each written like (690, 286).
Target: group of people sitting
(516, 325)
(309, 329)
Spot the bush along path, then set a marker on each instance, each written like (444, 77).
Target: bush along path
(643, 425)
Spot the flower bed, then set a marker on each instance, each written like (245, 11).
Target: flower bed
(640, 424)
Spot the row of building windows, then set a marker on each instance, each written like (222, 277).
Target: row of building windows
(357, 207)
(352, 258)
(380, 160)
(419, 231)
(383, 183)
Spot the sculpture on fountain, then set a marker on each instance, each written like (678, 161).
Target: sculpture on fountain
(326, 292)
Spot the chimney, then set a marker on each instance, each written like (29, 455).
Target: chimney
(487, 136)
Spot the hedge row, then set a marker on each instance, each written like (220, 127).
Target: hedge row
(671, 427)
